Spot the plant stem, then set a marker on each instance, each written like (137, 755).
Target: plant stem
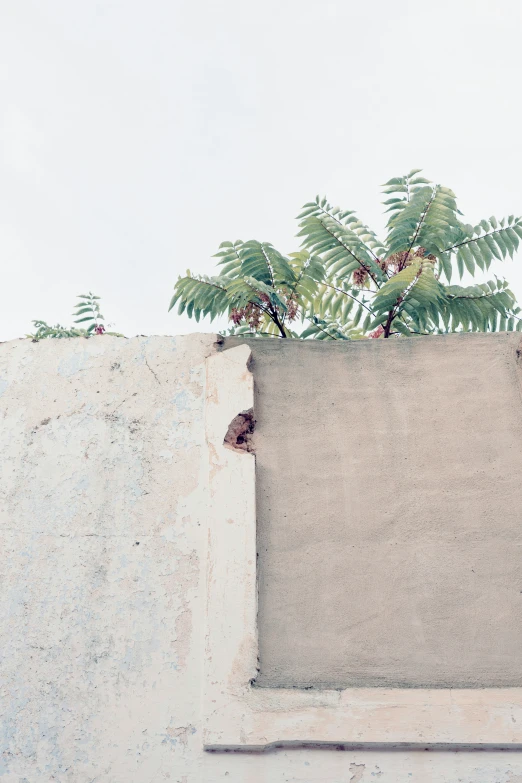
(275, 319)
(351, 297)
(389, 321)
(420, 224)
(361, 263)
(321, 329)
(340, 223)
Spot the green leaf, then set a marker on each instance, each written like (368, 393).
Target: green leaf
(394, 181)
(399, 326)
(445, 260)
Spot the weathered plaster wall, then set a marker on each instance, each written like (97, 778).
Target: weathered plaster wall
(102, 482)
(102, 505)
(389, 512)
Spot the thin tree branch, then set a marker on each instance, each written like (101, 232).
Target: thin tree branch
(361, 263)
(400, 300)
(278, 323)
(421, 221)
(351, 297)
(311, 319)
(475, 239)
(269, 265)
(325, 212)
(298, 280)
(388, 324)
(269, 310)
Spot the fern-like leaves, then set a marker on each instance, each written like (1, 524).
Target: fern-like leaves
(342, 241)
(88, 308)
(478, 245)
(345, 283)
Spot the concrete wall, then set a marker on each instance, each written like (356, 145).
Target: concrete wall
(389, 512)
(101, 465)
(103, 491)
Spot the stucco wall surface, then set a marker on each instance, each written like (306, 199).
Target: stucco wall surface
(102, 487)
(103, 481)
(389, 511)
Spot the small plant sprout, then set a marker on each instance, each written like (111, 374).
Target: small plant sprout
(88, 308)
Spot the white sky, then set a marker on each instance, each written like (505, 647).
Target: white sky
(136, 136)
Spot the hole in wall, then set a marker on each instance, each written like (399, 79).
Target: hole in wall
(240, 432)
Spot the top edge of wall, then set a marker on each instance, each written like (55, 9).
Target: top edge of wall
(277, 344)
(100, 339)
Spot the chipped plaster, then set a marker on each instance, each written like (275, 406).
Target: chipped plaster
(103, 524)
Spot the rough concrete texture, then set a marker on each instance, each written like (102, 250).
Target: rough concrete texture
(389, 512)
(102, 492)
(102, 475)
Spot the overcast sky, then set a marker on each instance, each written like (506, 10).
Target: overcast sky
(136, 136)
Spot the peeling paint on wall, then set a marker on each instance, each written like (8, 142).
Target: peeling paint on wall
(101, 548)
(103, 482)
(357, 771)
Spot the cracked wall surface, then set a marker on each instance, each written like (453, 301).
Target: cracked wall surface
(103, 481)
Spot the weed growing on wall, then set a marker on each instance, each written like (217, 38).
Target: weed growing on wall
(88, 308)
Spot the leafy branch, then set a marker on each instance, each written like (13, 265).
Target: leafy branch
(346, 283)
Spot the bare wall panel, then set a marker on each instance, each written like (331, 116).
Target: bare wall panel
(389, 493)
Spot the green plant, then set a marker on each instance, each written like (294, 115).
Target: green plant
(88, 308)
(347, 284)
(259, 288)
